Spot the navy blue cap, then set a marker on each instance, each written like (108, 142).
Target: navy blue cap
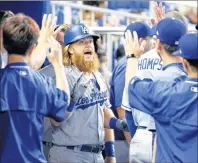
(188, 45)
(142, 29)
(77, 32)
(170, 30)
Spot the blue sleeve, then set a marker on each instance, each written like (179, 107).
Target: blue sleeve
(130, 123)
(147, 96)
(117, 86)
(57, 101)
(141, 95)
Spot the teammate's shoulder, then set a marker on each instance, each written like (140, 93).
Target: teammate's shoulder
(122, 62)
(47, 71)
(121, 65)
(180, 78)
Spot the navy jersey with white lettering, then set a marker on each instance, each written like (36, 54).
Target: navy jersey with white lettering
(26, 98)
(174, 106)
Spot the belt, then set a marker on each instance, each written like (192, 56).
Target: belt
(146, 128)
(84, 148)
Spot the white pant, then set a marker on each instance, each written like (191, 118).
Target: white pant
(122, 151)
(141, 147)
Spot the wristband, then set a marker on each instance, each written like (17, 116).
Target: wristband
(112, 123)
(71, 106)
(109, 149)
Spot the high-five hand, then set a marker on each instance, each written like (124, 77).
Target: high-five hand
(158, 12)
(55, 52)
(132, 45)
(47, 29)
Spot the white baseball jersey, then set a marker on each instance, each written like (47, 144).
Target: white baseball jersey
(149, 65)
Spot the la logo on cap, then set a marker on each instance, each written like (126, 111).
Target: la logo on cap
(84, 29)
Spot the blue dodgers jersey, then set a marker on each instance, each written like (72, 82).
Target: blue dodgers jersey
(174, 107)
(117, 84)
(26, 97)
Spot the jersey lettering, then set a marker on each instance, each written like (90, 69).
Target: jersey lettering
(149, 63)
(93, 99)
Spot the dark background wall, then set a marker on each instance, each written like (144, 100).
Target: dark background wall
(34, 9)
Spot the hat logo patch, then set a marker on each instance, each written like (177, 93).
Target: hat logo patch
(84, 29)
(176, 42)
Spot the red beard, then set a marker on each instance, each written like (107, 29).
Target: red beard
(85, 66)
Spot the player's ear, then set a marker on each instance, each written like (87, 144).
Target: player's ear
(158, 46)
(70, 50)
(185, 65)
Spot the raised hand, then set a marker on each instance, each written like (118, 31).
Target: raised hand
(47, 29)
(132, 45)
(55, 52)
(158, 11)
(63, 26)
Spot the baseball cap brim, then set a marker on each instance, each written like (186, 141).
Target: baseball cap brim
(95, 37)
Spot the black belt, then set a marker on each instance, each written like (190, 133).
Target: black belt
(84, 148)
(144, 128)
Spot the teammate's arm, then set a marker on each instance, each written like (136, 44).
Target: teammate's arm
(55, 57)
(146, 95)
(40, 52)
(121, 115)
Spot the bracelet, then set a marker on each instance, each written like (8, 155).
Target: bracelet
(109, 149)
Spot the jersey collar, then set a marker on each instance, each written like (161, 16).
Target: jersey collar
(173, 65)
(192, 80)
(17, 64)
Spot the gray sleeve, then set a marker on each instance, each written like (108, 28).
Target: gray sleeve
(48, 71)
